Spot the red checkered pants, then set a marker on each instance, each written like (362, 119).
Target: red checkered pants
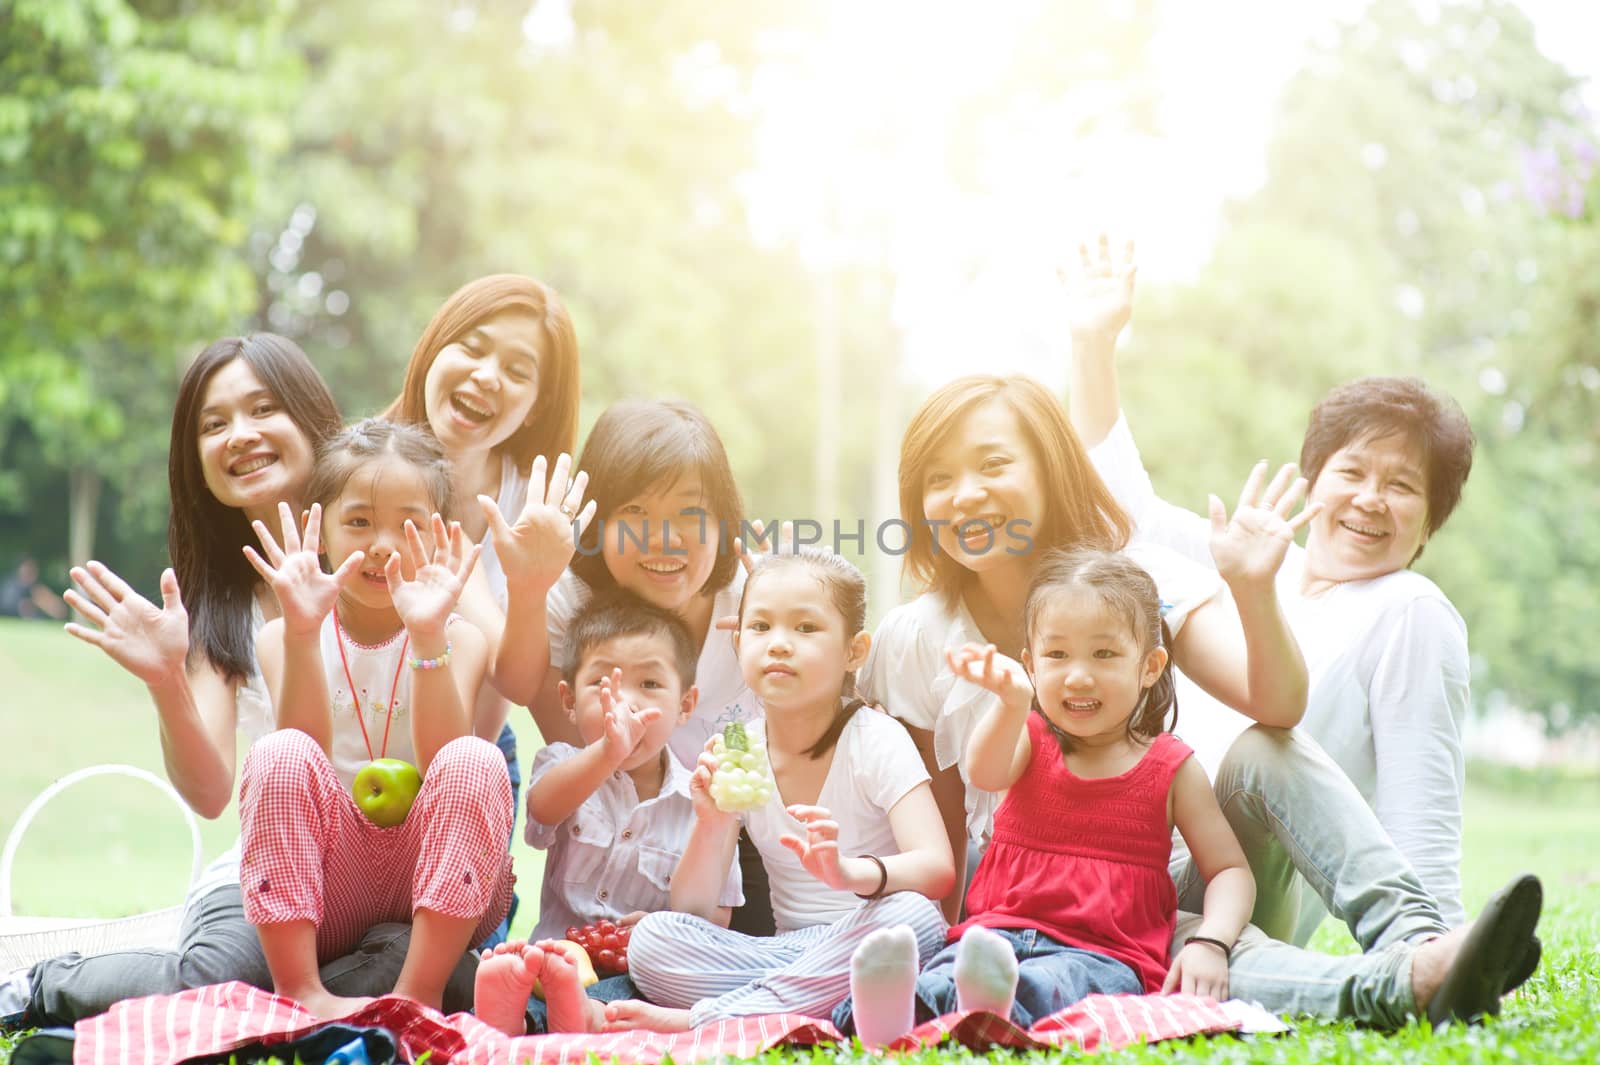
(310, 854)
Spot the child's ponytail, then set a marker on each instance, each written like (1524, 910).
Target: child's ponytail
(1150, 719)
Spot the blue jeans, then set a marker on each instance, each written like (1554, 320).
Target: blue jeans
(1050, 976)
(507, 742)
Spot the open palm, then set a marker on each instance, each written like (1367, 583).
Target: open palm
(539, 545)
(425, 598)
(1099, 293)
(1251, 545)
(149, 641)
(294, 570)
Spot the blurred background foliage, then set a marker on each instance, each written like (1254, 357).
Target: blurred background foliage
(172, 171)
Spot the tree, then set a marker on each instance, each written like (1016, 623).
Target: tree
(132, 138)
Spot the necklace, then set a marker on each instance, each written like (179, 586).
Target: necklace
(388, 711)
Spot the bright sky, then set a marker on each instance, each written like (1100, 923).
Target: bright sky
(855, 159)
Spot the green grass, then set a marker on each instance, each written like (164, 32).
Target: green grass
(114, 847)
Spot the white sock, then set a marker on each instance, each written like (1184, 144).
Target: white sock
(986, 972)
(883, 982)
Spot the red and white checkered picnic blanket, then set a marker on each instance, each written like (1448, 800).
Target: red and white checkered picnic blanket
(165, 1029)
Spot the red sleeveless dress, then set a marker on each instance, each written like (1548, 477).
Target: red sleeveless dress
(1085, 861)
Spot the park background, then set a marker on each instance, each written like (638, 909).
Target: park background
(803, 217)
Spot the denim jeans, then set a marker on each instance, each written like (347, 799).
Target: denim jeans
(1305, 828)
(217, 944)
(1050, 976)
(507, 742)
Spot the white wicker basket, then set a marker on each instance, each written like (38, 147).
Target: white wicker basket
(25, 940)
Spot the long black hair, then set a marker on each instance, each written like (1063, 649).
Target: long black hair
(204, 537)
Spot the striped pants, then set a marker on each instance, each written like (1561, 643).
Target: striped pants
(310, 854)
(687, 962)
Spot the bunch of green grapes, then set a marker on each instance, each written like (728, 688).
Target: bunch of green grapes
(743, 780)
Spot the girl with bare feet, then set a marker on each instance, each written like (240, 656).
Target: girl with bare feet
(850, 836)
(369, 664)
(1072, 897)
(511, 976)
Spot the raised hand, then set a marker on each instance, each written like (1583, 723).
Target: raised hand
(425, 598)
(625, 724)
(819, 850)
(982, 665)
(149, 641)
(1249, 547)
(538, 546)
(294, 571)
(1099, 294)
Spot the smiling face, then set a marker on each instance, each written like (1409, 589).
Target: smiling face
(662, 544)
(649, 679)
(481, 389)
(1088, 667)
(1375, 517)
(983, 479)
(369, 515)
(793, 645)
(252, 454)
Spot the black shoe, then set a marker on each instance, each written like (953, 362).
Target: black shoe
(1494, 950)
(1525, 966)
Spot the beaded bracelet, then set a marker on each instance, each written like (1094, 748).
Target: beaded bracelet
(430, 663)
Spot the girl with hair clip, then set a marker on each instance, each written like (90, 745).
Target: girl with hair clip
(250, 413)
(1072, 898)
(850, 835)
(356, 652)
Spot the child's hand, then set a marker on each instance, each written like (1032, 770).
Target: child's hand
(1199, 969)
(537, 547)
(424, 599)
(994, 672)
(305, 593)
(625, 724)
(148, 641)
(705, 807)
(819, 851)
(1249, 548)
(1100, 293)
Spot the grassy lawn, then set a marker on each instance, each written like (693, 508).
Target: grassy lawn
(113, 846)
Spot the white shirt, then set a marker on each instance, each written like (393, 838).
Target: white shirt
(1389, 681)
(906, 672)
(614, 854)
(724, 696)
(874, 766)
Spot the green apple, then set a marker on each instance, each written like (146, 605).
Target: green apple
(385, 788)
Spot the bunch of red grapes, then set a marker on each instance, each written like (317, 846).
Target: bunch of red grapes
(606, 943)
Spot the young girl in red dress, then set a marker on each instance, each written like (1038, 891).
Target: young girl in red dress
(1072, 897)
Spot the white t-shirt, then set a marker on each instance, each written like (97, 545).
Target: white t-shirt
(874, 766)
(724, 696)
(1389, 681)
(614, 854)
(906, 672)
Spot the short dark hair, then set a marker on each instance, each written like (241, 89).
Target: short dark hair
(1371, 407)
(621, 613)
(635, 446)
(342, 454)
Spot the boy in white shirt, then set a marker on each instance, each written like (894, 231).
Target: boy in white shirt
(614, 814)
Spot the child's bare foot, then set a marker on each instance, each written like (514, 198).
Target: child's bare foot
(324, 1005)
(570, 1007)
(629, 1014)
(504, 982)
